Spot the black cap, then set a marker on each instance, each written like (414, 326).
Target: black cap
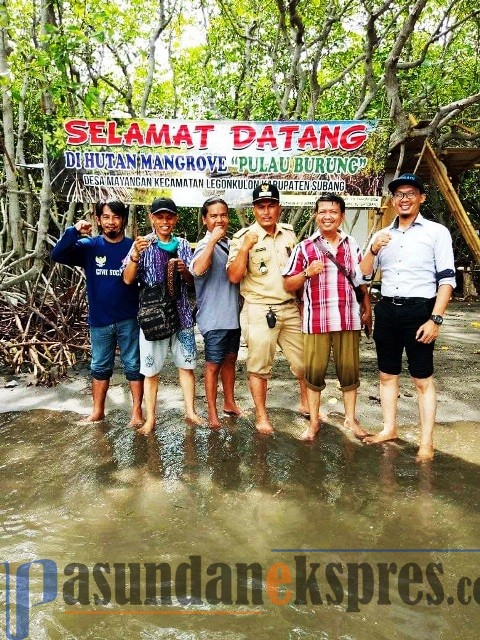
(266, 191)
(406, 178)
(164, 204)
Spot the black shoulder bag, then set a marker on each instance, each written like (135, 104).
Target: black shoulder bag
(158, 314)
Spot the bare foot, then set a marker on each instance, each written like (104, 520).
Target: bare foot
(232, 410)
(264, 426)
(93, 417)
(354, 425)
(383, 436)
(425, 453)
(147, 428)
(214, 422)
(322, 417)
(194, 418)
(136, 421)
(309, 434)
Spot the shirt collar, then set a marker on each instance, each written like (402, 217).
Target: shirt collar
(262, 233)
(317, 234)
(418, 220)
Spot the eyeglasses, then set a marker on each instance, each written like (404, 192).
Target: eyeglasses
(408, 195)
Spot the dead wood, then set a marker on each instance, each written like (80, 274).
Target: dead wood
(43, 331)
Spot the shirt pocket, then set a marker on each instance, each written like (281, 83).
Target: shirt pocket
(260, 262)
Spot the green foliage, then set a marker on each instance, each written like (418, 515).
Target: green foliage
(233, 60)
(93, 58)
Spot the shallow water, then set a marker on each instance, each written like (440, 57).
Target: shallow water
(101, 494)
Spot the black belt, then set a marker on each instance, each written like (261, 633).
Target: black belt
(405, 301)
(276, 304)
(279, 304)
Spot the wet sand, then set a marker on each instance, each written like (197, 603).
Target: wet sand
(99, 493)
(457, 360)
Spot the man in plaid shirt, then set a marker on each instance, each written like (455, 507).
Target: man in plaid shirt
(332, 318)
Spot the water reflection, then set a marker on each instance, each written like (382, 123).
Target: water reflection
(102, 493)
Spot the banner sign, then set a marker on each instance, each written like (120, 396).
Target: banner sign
(136, 160)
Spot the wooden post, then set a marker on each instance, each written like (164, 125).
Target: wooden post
(439, 173)
(468, 289)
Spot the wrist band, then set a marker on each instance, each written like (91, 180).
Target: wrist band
(136, 261)
(374, 253)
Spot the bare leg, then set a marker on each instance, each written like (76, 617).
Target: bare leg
(427, 406)
(389, 399)
(212, 369)
(187, 382)
(304, 409)
(313, 408)
(258, 389)
(99, 394)
(136, 389)
(151, 390)
(227, 373)
(351, 422)
(304, 401)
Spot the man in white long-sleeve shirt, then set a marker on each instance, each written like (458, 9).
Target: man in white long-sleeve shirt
(415, 256)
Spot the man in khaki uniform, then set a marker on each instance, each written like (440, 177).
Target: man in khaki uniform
(270, 315)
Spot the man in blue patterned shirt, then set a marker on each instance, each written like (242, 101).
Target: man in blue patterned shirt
(147, 263)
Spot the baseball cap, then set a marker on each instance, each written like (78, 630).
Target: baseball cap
(164, 204)
(267, 191)
(406, 178)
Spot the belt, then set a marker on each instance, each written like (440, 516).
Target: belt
(405, 301)
(273, 304)
(279, 304)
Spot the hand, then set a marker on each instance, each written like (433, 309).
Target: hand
(314, 268)
(380, 241)
(250, 240)
(183, 271)
(367, 321)
(181, 268)
(428, 332)
(140, 244)
(217, 234)
(83, 226)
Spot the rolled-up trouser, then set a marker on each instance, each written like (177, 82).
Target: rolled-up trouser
(345, 346)
(104, 341)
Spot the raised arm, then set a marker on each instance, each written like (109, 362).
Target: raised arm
(133, 257)
(69, 249)
(237, 267)
(203, 259)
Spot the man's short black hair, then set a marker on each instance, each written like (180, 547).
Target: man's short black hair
(117, 207)
(331, 197)
(208, 203)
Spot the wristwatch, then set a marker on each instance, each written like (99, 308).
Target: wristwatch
(305, 275)
(436, 319)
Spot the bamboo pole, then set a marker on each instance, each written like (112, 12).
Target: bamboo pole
(439, 173)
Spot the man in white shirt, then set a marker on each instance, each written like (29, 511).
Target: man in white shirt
(415, 256)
